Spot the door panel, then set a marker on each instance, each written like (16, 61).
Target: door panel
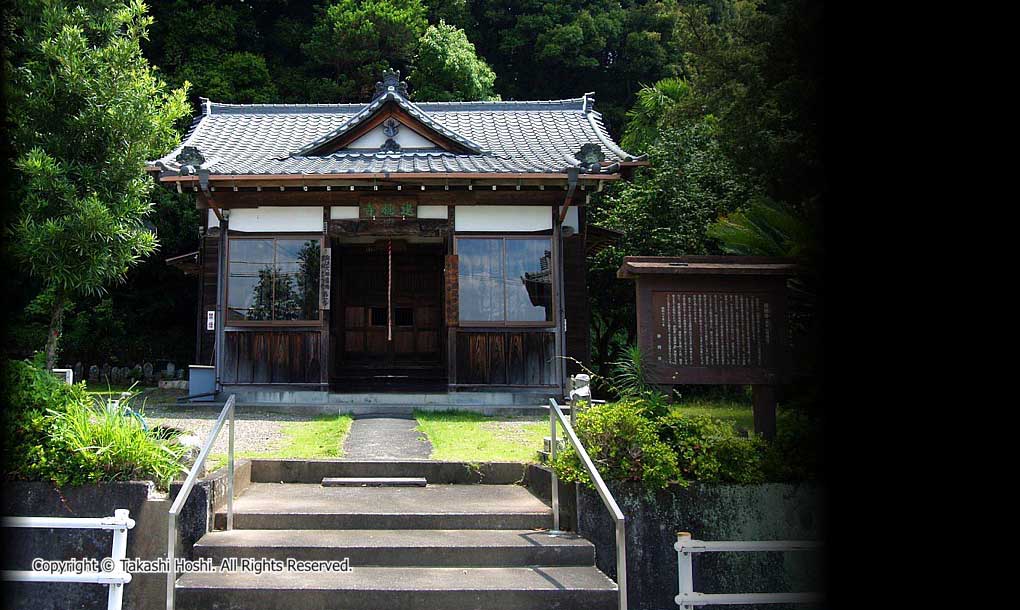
(415, 305)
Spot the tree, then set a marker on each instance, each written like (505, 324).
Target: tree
(655, 109)
(757, 67)
(86, 112)
(664, 211)
(358, 39)
(447, 69)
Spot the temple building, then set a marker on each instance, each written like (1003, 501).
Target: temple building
(394, 246)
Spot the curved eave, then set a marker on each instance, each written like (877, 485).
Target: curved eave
(312, 179)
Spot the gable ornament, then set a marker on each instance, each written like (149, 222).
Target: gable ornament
(390, 128)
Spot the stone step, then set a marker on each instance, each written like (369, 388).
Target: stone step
(313, 471)
(397, 548)
(374, 482)
(311, 506)
(565, 588)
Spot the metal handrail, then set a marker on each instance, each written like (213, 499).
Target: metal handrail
(115, 578)
(600, 486)
(688, 599)
(189, 484)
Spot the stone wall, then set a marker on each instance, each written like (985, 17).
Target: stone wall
(710, 512)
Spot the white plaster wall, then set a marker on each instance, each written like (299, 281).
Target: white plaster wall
(503, 218)
(571, 219)
(432, 211)
(406, 137)
(277, 219)
(343, 212)
(213, 221)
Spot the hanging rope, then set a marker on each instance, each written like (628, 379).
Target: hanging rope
(389, 291)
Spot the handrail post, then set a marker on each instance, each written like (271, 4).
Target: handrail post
(230, 471)
(119, 552)
(189, 484)
(552, 469)
(685, 570)
(621, 562)
(603, 491)
(171, 570)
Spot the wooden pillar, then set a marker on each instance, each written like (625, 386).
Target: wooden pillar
(764, 405)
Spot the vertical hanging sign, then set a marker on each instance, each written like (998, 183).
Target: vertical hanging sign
(389, 291)
(325, 276)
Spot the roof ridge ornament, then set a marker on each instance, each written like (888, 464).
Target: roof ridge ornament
(390, 82)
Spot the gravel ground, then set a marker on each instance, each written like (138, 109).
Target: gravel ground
(257, 431)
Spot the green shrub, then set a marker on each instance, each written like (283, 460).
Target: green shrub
(796, 452)
(623, 444)
(55, 432)
(709, 450)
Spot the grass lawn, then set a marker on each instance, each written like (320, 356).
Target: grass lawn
(322, 437)
(471, 437)
(98, 387)
(739, 412)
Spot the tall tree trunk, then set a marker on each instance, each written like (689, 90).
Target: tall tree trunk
(56, 327)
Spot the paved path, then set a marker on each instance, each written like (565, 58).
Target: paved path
(386, 438)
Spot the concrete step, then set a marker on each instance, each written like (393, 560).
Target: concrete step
(563, 588)
(374, 482)
(311, 506)
(398, 548)
(313, 471)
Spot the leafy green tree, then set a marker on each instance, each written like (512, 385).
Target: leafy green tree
(664, 211)
(756, 66)
(358, 39)
(656, 108)
(220, 51)
(447, 69)
(545, 50)
(238, 78)
(86, 112)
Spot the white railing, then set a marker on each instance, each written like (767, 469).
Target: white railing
(688, 599)
(115, 578)
(189, 484)
(600, 486)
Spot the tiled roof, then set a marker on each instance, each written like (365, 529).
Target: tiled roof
(504, 137)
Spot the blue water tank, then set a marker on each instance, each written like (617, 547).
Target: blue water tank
(201, 380)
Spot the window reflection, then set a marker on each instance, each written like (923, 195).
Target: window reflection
(480, 278)
(505, 279)
(273, 279)
(529, 280)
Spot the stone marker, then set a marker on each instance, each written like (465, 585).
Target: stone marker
(93, 373)
(147, 371)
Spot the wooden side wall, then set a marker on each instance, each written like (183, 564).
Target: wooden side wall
(208, 256)
(505, 357)
(575, 298)
(264, 356)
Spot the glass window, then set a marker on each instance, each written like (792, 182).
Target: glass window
(505, 280)
(271, 279)
(528, 280)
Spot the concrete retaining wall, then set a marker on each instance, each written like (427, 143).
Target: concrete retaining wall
(147, 540)
(709, 512)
